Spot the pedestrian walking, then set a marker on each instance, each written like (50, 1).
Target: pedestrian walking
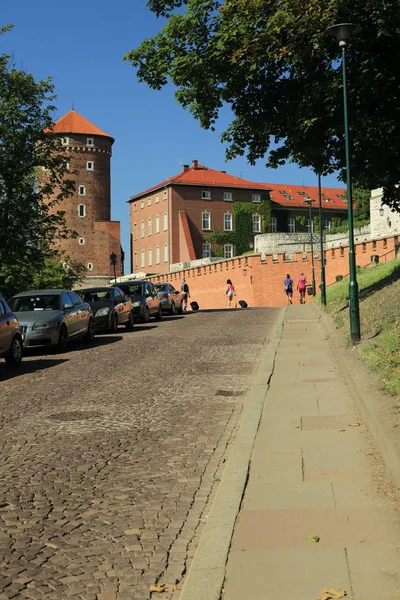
(301, 286)
(185, 294)
(230, 292)
(288, 286)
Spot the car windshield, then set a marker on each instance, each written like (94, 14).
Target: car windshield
(160, 287)
(36, 302)
(95, 295)
(133, 289)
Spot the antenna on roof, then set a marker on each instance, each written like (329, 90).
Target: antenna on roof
(73, 103)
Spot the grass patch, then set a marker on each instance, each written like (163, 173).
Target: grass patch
(379, 292)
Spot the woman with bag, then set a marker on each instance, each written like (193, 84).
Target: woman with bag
(230, 292)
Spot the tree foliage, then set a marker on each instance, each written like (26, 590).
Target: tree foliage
(273, 64)
(33, 182)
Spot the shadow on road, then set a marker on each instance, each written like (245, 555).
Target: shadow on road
(172, 317)
(29, 366)
(144, 327)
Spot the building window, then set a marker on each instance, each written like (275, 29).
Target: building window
(67, 165)
(274, 225)
(309, 225)
(228, 222)
(134, 231)
(228, 196)
(206, 195)
(165, 195)
(82, 190)
(292, 225)
(148, 201)
(142, 229)
(134, 206)
(206, 250)
(81, 241)
(165, 252)
(157, 224)
(81, 210)
(157, 198)
(90, 165)
(206, 221)
(90, 266)
(64, 141)
(256, 224)
(142, 259)
(150, 257)
(135, 263)
(165, 221)
(256, 198)
(142, 204)
(228, 251)
(327, 225)
(89, 142)
(149, 227)
(158, 255)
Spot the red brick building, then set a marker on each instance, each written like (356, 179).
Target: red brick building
(88, 210)
(171, 222)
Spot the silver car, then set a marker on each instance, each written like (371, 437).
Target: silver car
(171, 300)
(52, 317)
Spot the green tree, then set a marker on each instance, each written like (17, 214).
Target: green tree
(361, 199)
(273, 64)
(32, 175)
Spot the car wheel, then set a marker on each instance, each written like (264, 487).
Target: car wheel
(89, 336)
(62, 343)
(14, 356)
(146, 314)
(172, 310)
(158, 315)
(130, 323)
(114, 323)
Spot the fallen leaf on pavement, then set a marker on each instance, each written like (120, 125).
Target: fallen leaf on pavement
(354, 424)
(340, 430)
(313, 538)
(332, 594)
(158, 588)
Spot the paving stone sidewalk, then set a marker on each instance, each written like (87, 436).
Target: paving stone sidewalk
(312, 517)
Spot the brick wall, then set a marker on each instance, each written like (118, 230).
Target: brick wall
(260, 282)
(141, 211)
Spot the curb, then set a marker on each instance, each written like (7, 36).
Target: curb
(363, 394)
(206, 574)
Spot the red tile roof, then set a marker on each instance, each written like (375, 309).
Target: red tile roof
(73, 122)
(282, 194)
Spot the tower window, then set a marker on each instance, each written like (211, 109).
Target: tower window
(90, 166)
(64, 141)
(89, 142)
(82, 190)
(81, 241)
(206, 195)
(81, 211)
(90, 266)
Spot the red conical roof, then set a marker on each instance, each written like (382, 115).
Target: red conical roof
(73, 122)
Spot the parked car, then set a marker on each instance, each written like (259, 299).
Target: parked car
(52, 317)
(110, 307)
(10, 336)
(171, 300)
(145, 300)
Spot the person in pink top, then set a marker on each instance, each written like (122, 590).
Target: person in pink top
(301, 286)
(230, 292)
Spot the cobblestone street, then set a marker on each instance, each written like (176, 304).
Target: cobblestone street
(110, 453)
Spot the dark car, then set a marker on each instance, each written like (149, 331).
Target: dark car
(171, 300)
(110, 307)
(10, 336)
(145, 300)
(52, 317)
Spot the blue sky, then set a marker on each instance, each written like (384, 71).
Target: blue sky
(81, 46)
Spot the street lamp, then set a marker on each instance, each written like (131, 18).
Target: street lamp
(113, 261)
(321, 243)
(309, 201)
(343, 32)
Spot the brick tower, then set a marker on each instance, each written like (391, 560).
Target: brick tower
(88, 210)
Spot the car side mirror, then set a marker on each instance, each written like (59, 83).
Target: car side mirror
(67, 306)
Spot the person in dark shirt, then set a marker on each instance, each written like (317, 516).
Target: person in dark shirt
(288, 287)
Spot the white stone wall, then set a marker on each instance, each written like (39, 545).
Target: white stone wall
(335, 240)
(385, 224)
(289, 243)
(200, 262)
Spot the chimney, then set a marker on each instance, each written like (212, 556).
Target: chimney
(223, 171)
(185, 168)
(195, 164)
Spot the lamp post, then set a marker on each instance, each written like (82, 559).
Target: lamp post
(309, 201)
(343, 32)
(321, 244)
